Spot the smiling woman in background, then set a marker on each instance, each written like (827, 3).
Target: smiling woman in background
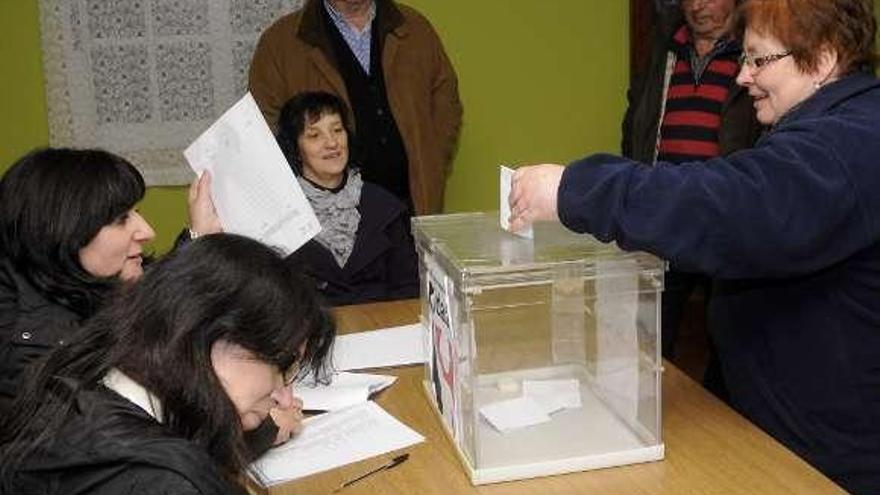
(154, 394)
(788, 229)
(364, 251)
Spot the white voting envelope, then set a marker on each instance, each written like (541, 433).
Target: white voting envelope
(253, 187)
(505, 178)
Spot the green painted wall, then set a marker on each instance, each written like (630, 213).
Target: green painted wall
(540, 81)
(22, 100)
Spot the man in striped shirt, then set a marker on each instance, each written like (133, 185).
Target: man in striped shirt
(686, 106)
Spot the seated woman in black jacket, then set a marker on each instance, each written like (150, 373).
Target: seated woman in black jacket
(364, 251)
(69, 233)
(154, 393)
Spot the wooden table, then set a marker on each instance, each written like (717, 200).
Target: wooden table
(710, 449)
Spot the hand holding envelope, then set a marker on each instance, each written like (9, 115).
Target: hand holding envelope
(504, 212)
(532, 197)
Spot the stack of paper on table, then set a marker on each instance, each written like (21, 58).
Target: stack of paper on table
(356, 428)
(335, 439)
(344, 390)
(380, 348)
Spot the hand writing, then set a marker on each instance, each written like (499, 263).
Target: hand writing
(289, 420)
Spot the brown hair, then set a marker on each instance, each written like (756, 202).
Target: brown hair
(805, 26)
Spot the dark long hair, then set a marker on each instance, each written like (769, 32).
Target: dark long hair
(309, 107)
(53, 202)
(160, 332)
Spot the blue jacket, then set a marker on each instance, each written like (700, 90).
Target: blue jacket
(791, 230)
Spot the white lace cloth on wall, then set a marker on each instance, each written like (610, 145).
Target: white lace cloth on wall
(143, 78)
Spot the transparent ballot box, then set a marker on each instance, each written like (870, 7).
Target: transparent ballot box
(544, 353)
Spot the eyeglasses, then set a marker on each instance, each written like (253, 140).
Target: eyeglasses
(290, 374)
(757, 63)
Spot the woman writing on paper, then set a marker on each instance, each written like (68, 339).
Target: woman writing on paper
(155, 393)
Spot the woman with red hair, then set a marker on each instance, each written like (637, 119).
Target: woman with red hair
(789, 230)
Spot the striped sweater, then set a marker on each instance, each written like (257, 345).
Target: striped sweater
(695, 96)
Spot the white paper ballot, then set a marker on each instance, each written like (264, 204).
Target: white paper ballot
(379, 348)
(335, 439)
(516, 413)
(553, 395)
(344, 390)
(253, 188)
(506, 177)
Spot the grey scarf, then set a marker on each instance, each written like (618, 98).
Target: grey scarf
(338, 214)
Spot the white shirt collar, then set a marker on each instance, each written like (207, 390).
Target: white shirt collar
(340, 19)
(120, 383)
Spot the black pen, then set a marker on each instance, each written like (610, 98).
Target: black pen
(390, 464)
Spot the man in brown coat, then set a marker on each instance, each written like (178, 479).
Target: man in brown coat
(387, 62)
